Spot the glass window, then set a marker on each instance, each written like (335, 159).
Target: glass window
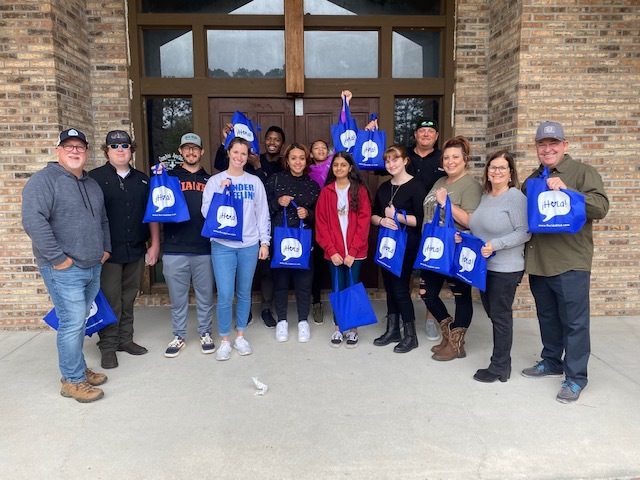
(168, 53)
(237, 7)
(406, 112)
(341, 54)
(246, 53)
(168, 119)
(416, 53)
(373, 7)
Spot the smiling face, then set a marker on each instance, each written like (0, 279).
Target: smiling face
(70, 158)
(426, 137)
(297, 161)
(395, 163)
(120, 157)
(453, 162)
(319, 151)
(273, 143)
(499, 173)
(550, 151)
(340, 168)
(238, 155)
(191, 154)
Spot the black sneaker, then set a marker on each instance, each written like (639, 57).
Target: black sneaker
(352, 339)
(540, 369)
(267, 318)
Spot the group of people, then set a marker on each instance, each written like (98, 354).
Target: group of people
(87, 233)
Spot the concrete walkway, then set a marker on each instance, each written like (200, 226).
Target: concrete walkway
(365, 413)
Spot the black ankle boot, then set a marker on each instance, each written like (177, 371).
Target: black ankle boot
(393, 331)
(410, 340)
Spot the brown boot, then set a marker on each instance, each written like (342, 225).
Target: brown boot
(444, 327)
(94, 378)
(455, 347)
(82, 392)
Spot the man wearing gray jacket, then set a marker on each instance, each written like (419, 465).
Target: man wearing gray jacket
(64, 215)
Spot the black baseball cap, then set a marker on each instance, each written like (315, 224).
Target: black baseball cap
(71, 133)
(422, 122)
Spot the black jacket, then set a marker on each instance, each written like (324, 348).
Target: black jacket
(305, 192)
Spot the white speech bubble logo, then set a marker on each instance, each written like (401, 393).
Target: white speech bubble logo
(553, 203)
(290, 248)
(348, 139)
(467, 259)
(163, 198)
(432, 248)
(92, 310)
(226, 217)
(243, 131)
(369, 150)
(387, 247)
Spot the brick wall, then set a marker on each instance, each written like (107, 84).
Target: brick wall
(62, 63)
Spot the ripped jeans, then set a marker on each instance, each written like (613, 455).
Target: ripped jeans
(432, 282)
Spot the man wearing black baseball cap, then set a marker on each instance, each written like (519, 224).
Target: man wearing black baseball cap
(424, 155)
(125, 189)
(63, 213)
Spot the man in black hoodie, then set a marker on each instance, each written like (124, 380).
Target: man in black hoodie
(186, 254)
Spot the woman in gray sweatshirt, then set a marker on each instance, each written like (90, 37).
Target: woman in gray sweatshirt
(501, 221)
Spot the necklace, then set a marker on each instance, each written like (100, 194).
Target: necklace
(393, 193)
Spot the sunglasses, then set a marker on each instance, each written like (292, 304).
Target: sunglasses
(114, 146)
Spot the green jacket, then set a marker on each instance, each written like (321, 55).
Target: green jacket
(552, 254)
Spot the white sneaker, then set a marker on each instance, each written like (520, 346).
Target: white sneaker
(206, 343)
(242, 346)
(304, 332)
(282, 331)
(433, 330)
(352, 339)
(224, 351)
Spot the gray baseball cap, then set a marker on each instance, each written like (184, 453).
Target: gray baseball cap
(550, 130)
(191, 138)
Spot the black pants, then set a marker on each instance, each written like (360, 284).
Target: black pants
(282, 278)
(319, 272)
(562, 305)
(264, 274)
(120, 283)
(497, 300)
(461, 293)
(399, 289)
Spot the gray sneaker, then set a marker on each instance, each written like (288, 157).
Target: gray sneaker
(569, 392)
(433, 330)
(540, 369)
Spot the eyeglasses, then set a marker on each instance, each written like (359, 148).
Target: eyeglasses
(77, 148)
(114, 146)
(494, 168)
(192, 149)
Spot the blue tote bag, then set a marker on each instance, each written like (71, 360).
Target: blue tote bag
(291, 245)
(224, 218)
(243, 128)
(469, 264)
(553, 211)
(351, 306)
(369, 148)
(343, 133)
(391, 246)
(166, 203)
(100, 316)
(437, 245)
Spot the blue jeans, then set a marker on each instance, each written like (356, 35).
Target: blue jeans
(562, 305)
(342, 272)
(72, 292)
(233, 268)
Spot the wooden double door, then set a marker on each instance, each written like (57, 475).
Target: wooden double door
(312, 121)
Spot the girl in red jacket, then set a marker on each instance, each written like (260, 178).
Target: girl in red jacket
(343, 216)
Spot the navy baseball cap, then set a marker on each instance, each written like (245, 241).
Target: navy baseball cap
(71, 133)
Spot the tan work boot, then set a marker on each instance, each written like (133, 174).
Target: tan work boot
(94, 378)
(444, 327)
(455, 347)
(83, 392)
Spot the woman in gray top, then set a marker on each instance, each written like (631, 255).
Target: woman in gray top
(501, 221)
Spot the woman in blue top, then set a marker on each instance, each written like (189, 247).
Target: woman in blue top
(501, 221)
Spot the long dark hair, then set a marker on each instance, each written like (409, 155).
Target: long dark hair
(354, 177)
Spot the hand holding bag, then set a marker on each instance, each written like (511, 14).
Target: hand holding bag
(369, 148)
(553, 211)
(351, 306)
(224, 218)
(291, 246)
(438, 243)
(469, 264)
(166, 203)
(343, 133)
(391, 246)
(243, 128)
(100, 316)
